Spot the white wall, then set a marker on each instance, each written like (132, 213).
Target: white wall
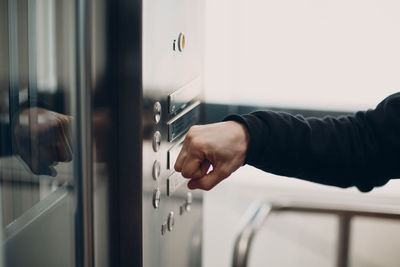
(313, 54)
(327, 54)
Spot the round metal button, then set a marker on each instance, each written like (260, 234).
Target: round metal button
(189, 198)
(188, 207)
(156, 198)
(171, 221)
(156, 141)
(157, 112)
(156, 170)
(181, 42)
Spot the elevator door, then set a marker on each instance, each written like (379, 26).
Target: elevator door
(40, 176)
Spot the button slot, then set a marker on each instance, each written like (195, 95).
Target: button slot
(181, 123)
(179, 99)
(172, 154)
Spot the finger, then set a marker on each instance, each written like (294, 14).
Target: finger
(182, 154)
(68, 129)
(207, 182)
(68, 142)
(68, 134)
(205, 166)
(62, 146)
(47, 154)
(192, 167)
(61, 149)
(180, 160)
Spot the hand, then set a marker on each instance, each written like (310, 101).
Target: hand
(220, 145)
(43, 138)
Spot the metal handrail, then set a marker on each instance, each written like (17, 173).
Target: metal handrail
(258, 213)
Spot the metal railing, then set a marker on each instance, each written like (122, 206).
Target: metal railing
(258, 213)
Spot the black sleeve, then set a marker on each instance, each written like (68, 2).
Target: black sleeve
(360, 150)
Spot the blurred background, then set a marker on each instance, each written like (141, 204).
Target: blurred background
(310, 57)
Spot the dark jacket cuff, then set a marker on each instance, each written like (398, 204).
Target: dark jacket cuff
(257, 135)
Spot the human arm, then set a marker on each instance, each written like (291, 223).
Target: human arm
(360, 150)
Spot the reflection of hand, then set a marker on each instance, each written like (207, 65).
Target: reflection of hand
(222, 145)
(43, 138)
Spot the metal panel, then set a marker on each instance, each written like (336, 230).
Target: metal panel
(172, 76)
(179, 99)
(182, 122)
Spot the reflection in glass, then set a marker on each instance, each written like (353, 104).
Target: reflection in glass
(37, 85)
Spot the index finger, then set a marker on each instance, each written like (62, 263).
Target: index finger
(181, 158)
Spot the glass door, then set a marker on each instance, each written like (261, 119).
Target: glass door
(45, 208)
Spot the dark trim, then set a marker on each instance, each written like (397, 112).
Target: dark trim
(129, 89)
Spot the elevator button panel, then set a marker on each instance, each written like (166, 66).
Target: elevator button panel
(182, 97)
(174, 182)
(181, 123)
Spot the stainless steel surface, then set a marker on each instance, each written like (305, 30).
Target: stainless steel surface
(253, 220)
(83, 129)
(174, 182)
(257, 214)
(169, 66)
(179, 99)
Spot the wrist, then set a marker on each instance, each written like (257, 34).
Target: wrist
(242, 138)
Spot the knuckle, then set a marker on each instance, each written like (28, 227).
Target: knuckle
(207, 187)
(195, 145)
(192, 130)
(59, 123)
(189, 136)
(177, 168)
(185, 174)
(64, 121)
